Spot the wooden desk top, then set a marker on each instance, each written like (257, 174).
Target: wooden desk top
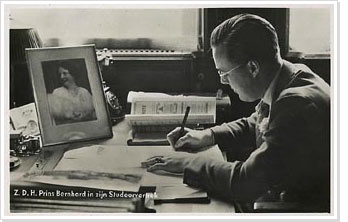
(50, 157)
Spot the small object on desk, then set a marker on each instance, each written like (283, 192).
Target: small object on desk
(14, 139)
(14, 162)
(115, 108)
(147, 139)
(180, 194)
(25, 145)
(24, 118)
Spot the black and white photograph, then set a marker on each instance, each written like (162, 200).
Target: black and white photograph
(68, 91)
(205, 110)
(69, 94)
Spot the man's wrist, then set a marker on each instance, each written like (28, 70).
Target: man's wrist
(210, 135)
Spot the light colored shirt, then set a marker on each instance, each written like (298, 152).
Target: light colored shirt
(67, 106)
(268, 97)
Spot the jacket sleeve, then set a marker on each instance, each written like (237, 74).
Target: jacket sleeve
(288, 130)
(237, 138)
(236, 180)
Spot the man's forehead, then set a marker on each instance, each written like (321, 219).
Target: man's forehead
(219, 49)
(220, 56)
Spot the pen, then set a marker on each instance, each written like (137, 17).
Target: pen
(184, 121)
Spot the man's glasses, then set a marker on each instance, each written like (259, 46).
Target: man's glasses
(223, 74)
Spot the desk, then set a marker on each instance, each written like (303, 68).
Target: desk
(50, 157)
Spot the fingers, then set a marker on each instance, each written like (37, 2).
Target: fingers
(151, 161)
(174, 132)
(157, 166)
(171, 141)
(182, 141)
(173, 136)
(154, 157)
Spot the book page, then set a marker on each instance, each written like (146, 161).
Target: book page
(173, 105)
(170, 119)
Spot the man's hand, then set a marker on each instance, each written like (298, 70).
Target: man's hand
(172, 164)
(191, 139)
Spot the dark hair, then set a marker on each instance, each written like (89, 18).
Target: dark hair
(247, 37)
(69, 65)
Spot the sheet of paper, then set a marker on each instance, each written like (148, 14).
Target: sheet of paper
(121, 182)
(126, 159)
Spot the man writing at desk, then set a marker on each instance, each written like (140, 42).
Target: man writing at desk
(284, 145)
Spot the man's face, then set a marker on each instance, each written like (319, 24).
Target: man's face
(239, 79)
(65, 76)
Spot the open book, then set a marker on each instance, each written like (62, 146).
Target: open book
(153, 115)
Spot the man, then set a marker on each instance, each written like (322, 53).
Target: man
(284, 146)
(70, 103)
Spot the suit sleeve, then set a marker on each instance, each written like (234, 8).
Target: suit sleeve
(247, 180)
(237, 138)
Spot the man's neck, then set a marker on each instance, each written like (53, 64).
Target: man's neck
(272, 74)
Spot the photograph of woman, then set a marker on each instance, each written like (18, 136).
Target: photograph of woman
(70, 100)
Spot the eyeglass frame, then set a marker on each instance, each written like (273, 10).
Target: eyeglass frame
(223, 74)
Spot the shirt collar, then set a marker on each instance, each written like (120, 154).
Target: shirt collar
(268, 97)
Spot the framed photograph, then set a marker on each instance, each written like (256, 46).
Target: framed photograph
(69, 94)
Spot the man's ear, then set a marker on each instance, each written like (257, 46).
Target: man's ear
(254, 67)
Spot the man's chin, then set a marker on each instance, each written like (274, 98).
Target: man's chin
(246, 98)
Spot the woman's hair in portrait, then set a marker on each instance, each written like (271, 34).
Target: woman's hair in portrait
(69, 65)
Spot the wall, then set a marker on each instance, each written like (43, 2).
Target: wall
(160, 28)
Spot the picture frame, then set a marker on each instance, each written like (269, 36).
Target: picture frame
(69, 94)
